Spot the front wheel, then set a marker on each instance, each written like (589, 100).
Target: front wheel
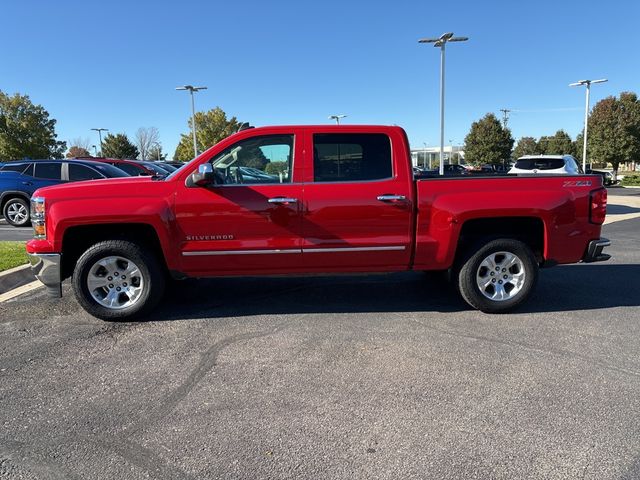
(118, 280)
(498, 276)
(16, 212)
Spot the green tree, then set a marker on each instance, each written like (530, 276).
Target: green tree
(155, 152)
(614, 130)
(212, 126)
(526, 146)
(118, 146)
(76, 151)
(26, 130)
(558, 144)
(488, 142)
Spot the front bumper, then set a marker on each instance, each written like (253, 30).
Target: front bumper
(47, 268)
(594, 251)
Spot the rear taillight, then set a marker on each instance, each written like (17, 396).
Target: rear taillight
(598, 206)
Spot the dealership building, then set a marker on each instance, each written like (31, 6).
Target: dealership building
(429, 157)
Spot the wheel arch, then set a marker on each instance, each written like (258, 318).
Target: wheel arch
(528, 230)
(77, 239)
(8, 195)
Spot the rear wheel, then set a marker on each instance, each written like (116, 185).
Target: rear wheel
(118, 280)
(498, 276)
(16, 212)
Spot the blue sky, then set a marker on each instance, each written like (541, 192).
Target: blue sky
(115, 64)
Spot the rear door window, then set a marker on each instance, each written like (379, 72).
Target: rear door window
(351, 157)
(81, 172)
(50, 171)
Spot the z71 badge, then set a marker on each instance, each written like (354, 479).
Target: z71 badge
(577, 183)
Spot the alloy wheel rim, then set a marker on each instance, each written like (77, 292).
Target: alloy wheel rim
(17, 213)
(115, 282)
(501, 276)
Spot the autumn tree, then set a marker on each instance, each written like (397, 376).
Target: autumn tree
(118, 146)
(26, 130)
(614, 130)
(212, 126)
(79, 147)
(75, 152)
(488, 142)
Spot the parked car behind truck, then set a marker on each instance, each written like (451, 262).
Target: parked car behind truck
(347, 203)
(18, 181)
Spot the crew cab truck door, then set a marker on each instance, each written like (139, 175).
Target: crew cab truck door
(249, 220)
(358, 200)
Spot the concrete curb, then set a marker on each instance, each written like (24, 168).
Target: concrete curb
(15, 277)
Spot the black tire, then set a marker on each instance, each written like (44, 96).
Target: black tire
(473, 271)
(150, 277)
(16, 212)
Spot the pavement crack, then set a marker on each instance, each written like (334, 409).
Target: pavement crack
(535, 348)
(140, 456)
(206, 363)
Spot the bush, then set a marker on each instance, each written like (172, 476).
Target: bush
(629, 180)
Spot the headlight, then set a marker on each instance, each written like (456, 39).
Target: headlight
(38, 218)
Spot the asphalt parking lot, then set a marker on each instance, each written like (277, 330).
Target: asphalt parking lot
(9, 232)
(365, 377)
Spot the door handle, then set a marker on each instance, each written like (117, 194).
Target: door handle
(282, 200)
(392, 198)
(27, 183)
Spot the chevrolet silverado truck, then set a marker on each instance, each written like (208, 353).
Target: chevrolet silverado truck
(305, 200)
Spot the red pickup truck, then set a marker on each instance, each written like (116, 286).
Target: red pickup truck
(310, 199)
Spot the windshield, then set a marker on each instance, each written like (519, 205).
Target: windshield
(156, 168)
(109, 170)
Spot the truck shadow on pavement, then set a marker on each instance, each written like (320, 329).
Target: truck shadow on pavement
(564, 288)
(613, 209)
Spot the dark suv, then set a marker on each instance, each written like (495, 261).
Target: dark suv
(18, 181)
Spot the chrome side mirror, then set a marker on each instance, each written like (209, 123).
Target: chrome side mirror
(204, 176)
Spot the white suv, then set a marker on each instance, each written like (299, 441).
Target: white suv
(547, 165)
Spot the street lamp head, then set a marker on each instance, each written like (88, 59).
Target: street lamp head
(191, 88)
(444, 38)
(579, 83)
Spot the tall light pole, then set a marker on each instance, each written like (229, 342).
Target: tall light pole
(100, 130)
(424, 160)
(192, 89)
(442, 42)
(95, 150)
(336, 118)
(586, 83)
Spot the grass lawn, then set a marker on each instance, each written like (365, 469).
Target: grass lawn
(12, 254)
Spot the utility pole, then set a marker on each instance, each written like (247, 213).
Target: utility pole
(505, 116)
(442, 42)
(100, 130)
